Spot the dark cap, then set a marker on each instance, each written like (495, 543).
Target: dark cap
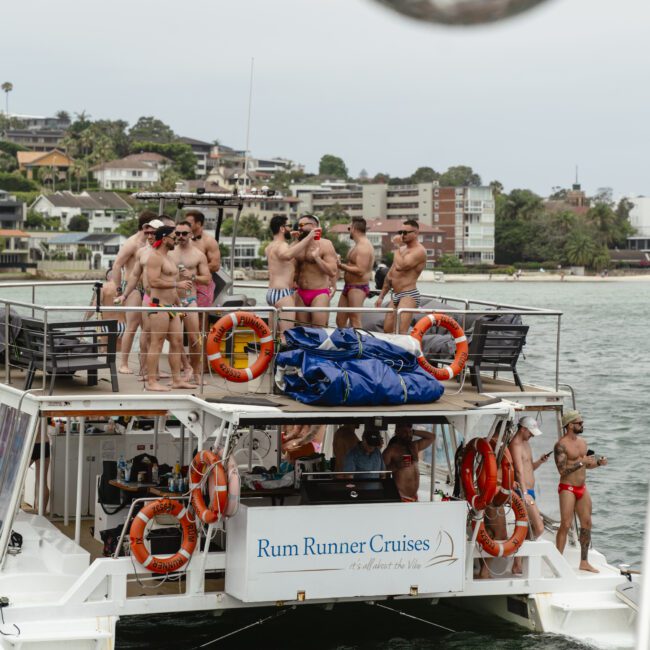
(373, 437)
(163, 231)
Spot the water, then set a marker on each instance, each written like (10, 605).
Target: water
(604, 354)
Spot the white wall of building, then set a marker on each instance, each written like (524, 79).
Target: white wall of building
(640, 216)
(123, 179)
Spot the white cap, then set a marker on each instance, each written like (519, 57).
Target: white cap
(155, 224)
(531, 424)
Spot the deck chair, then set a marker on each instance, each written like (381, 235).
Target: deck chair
(495, 347)
(71, 346)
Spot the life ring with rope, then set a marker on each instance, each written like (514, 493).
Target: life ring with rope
(481, 494)
(506, 548)
(506, 484)
(448, 323)
(217, 486)
(234, 487)
(213, 346)
(136, 535)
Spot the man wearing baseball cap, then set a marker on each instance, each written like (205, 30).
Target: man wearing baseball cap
(366, 456)
(573, 459)
(525, 466)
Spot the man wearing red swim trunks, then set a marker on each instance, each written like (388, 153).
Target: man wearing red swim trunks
(314, 270)
(573, 460)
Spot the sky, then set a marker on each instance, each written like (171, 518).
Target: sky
(522, 101)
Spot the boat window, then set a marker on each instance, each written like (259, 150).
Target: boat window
(14, 444)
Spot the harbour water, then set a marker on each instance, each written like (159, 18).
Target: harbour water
(604, 353)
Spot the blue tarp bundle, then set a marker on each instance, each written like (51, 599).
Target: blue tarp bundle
(348, 367)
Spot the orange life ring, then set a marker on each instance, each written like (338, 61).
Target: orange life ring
(213, 346)
(442, 320)
(510, 546)
(136, 535)
(218, 487)
(487, 475)
(504, 487)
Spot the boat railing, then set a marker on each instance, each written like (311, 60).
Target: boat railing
(51, 313)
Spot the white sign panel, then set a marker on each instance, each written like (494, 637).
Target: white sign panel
(273, 553)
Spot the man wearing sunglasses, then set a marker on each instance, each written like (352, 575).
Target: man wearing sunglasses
(408, 262)
(573, 459)
(193, 266)
(315, 268)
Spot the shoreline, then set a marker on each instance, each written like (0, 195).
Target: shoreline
(544, 277)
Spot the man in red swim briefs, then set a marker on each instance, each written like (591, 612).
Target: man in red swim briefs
(315, 267)
(573, 460)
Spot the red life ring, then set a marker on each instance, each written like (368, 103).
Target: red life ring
(504, 487)
(487, 475)
(218, 487)
(136, 535)
(442, 320)
(510, 546)
(218, 331)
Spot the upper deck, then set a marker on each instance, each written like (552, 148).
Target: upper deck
(50, 303)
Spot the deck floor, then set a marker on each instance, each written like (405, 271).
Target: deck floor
(216, 389)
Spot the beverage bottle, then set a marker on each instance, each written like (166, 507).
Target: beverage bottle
(177, 469)
(154, 474)
(121, 468)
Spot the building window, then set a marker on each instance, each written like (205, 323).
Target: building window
(436, 216)
(436, 192)
(436, 204)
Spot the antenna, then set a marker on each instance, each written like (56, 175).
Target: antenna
(577, 175)
(248, 124)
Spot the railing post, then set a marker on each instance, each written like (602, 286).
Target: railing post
(203, 335)
(557, 355)
(45, 350)
(7, 366)
(80, 471)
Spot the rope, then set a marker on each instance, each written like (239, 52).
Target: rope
(246, 627)
(415, 618)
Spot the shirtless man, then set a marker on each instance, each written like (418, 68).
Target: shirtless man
(209, 246)
(193, 266)
(409, 261)
(357, 270)
(522, 459)
(401, 456)
(124, 262)
(315, 268)
(162, 278)
(282, 269)
(573, 460)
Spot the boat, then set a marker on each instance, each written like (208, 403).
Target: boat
(68, 572)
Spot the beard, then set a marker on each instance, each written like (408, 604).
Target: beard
(303, 234)
(287, 236)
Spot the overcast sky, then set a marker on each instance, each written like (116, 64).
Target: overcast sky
(522, 101)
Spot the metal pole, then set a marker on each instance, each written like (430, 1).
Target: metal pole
(33, 299)
(41, 469)
(156, 430)
(80, 471)
(66, 475)
(643, 615)
(557, 355)
(7, 370)
(250, 448)
(44, 349)
(433, 465)
(203, 336)
(182, 461)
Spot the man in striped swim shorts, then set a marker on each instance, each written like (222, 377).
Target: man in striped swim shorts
(408, 262)
(282, 270)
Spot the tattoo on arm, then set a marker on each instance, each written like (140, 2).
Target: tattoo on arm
(561, 461)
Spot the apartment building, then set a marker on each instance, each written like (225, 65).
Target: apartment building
(463, 215)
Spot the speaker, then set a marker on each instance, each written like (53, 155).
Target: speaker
(327, 491)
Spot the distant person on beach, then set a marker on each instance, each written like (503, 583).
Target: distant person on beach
(315, 267)
(402, 456)
(408, 263)
(281, 255)
(124, 263)
(162, 278)
(357, 272)
(525, 466)
(209, 246)
(573, 459)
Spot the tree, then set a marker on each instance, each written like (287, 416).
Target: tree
(624, 228)
(363, 176)
(603, 219)
(332, 166)
(448, 261)
(153, 130)
(460, 176)
(34, 220)
(424, 175)
(381, 178)
(580, 248)
(496, 187)
(128, 227)
(334, 214)
(64, 116)
(340, 246)
(180, 153)
(79, 223)
(7, 87)
(8, 163)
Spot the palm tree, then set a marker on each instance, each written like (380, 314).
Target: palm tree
(580, 248)
(7, 87)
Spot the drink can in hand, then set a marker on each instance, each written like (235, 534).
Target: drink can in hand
(407, 459)
(317, 233)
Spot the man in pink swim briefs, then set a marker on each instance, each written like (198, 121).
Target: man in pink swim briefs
(315, 267)
(209, 246)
